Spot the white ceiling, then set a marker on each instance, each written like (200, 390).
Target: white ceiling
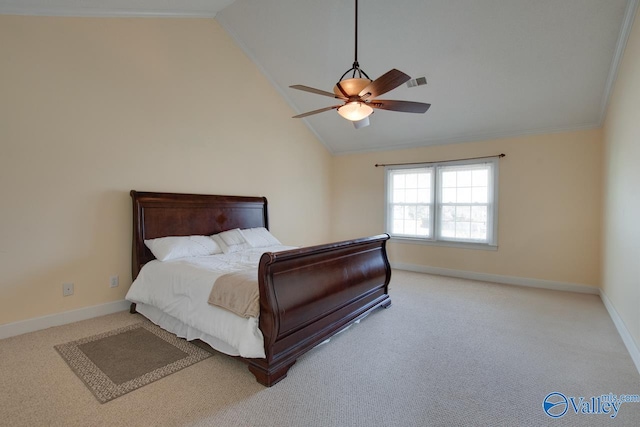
(495, 68)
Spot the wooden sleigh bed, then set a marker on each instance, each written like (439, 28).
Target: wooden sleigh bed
(306, 295)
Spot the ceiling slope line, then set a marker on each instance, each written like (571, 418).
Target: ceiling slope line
(625, 31)
(227, 28)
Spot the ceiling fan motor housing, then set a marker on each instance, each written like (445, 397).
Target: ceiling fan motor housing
(351, 86)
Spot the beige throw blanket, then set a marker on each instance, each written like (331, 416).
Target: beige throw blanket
(238, 293)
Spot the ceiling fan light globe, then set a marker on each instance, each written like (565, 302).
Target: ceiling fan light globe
(351, 86)
(355, 111)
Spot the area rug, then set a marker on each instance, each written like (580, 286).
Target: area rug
(116, 362)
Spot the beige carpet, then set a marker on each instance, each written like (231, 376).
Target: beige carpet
(122, 360)
(448, 352)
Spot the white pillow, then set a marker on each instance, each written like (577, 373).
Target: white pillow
(259, 237)
(231, 241)
(173, 247)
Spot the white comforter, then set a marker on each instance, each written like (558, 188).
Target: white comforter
(173, 294)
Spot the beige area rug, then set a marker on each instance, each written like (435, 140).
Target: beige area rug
(116, 362)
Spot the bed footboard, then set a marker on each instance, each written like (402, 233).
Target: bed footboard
(309, 294)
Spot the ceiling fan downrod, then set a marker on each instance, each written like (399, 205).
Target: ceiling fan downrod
(356, 66)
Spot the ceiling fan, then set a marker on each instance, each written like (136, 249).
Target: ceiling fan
(359, 93)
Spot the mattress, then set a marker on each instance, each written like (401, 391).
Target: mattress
(173, 295)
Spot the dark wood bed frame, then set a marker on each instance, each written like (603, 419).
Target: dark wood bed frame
(306, 295)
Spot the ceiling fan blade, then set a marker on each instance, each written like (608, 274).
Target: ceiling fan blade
(321, 110)
(383, 84)
(402, 106)
(314, 90)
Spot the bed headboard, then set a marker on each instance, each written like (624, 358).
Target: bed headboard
(176, 214)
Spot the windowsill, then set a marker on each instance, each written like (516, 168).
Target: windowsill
(460, 245)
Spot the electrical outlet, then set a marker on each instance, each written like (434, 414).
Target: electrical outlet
(67, 289)
(114, 281)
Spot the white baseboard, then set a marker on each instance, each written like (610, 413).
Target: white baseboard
(496, 278)
(628, 340)
(44, 322)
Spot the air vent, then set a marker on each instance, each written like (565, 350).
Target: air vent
(417, 82)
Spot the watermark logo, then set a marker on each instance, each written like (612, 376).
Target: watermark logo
(557, 404)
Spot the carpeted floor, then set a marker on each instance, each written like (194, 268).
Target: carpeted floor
(448, 352)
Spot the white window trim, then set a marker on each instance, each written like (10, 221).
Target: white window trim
(434, 240)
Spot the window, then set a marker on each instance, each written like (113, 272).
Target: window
(452, 202)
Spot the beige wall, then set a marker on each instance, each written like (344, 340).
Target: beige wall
(549, 206)
(621, 253)
(92, 108)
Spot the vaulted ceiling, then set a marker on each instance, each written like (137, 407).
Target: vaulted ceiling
(495, 68)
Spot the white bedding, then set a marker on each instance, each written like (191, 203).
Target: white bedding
(173, 294)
